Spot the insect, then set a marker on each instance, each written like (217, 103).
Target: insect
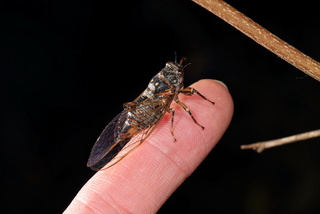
(139, 118)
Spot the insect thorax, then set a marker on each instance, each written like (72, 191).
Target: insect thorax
(169, 79)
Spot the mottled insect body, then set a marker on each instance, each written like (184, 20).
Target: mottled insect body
(139, 117)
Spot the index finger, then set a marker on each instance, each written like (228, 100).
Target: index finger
(145, 178)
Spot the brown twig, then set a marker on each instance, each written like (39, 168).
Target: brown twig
(275, 45)
(260, 146)
(262, 36)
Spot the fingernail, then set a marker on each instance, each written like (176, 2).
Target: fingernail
(218, 81)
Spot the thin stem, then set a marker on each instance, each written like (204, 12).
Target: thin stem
(260, 146)
(262, 36)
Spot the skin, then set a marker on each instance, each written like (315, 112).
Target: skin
(145, 179)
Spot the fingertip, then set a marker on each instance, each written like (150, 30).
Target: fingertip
(218, 92)
(221, 83)
(216, 118)
(216, 84)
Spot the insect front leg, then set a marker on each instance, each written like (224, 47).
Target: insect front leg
(188, 91)
(185, 107)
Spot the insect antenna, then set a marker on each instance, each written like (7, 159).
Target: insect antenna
(187, 65)
(182, 60)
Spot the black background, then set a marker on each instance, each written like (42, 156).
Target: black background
(66, 67)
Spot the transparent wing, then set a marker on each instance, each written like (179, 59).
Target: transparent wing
(128, 147)
(109, 150)
(106, 147)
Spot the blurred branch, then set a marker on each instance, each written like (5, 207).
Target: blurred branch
(260, 146)
(262, 36)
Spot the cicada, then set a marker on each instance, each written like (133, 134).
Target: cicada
(136, 122)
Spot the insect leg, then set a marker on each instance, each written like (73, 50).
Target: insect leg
(188, 91)
(188, 111)
(172, 119)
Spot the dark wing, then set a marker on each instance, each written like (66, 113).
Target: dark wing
(106, 147)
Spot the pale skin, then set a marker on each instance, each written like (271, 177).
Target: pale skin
(145, 179)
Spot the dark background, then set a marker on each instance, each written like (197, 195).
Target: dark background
(66, 67)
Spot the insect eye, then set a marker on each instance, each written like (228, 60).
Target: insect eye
(169, 65)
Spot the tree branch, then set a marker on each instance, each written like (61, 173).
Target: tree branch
(262, 36)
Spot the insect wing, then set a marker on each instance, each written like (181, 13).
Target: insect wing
(109, 150)
(106, 147)
(127, 147)
(148, 109)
